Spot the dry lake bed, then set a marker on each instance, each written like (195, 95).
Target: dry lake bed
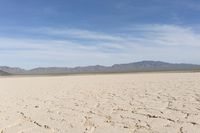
(110, 103)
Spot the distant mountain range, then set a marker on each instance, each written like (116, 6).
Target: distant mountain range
(143, 66)
(2, 73)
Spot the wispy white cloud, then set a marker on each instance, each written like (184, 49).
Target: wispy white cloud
(160, 35)
(149, 34)
(71, 47)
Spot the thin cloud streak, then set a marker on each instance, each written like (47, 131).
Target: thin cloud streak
(77, 33)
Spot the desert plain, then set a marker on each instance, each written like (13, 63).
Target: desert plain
(104, 103)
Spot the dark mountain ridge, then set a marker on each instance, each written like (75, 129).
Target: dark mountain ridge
(143, 66)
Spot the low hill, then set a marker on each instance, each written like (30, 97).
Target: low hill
(2, 73)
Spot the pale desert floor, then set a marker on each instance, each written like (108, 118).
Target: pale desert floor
(118, 103)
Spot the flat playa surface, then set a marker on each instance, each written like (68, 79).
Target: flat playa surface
(118, 103)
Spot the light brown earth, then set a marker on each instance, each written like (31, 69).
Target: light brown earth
(115, 103)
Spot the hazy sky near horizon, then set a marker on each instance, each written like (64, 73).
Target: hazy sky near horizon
(88, 32)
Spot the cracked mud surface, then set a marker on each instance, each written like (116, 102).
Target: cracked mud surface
(118, 103)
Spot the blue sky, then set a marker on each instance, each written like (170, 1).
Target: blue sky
(88, 32)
